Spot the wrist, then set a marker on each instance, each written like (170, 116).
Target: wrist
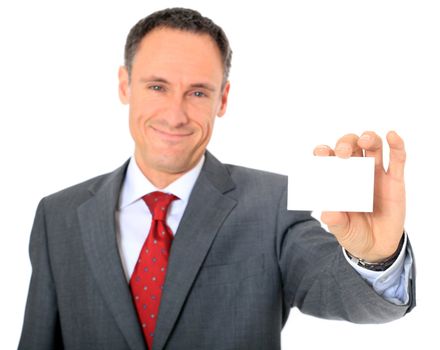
(379, 265)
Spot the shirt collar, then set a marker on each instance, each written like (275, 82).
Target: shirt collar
(136, 185)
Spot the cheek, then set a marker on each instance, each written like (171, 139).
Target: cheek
(203, 113)
(140, 112)
(201, 117)
(136, 122)
(206, 125)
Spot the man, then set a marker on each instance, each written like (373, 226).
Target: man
(213, 245)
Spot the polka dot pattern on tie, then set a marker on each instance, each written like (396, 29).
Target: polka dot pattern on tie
(148, 278)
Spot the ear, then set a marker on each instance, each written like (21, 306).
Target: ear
(124, 85)
(224, 100)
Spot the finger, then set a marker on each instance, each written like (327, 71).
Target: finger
(337, 222)
(347, 146)
(323, 151)
(372, 144)
(396, 166)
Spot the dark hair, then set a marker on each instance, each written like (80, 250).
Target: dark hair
(182, 19)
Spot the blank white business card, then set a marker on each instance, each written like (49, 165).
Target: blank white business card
(332, 184)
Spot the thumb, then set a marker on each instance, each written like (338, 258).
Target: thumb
(338, 222)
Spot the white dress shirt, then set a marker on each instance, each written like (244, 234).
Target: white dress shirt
(392, 283)
(133, 220)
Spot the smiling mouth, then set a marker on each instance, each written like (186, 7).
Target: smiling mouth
(172, 135)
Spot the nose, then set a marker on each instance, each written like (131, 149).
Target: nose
(175, 114)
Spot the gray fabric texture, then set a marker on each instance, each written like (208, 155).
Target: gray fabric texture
(239, 262)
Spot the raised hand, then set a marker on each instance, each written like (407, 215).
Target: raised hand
(374, 236)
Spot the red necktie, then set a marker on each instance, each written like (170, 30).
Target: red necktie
(148, 277)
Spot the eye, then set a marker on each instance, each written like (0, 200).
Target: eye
(156, 88)
(199, 94)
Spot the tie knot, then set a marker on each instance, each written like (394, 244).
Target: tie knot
(158, 203)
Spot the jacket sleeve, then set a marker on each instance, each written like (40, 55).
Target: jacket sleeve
(41, 328)
(318, 279)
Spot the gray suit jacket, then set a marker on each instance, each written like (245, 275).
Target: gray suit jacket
(238, 263)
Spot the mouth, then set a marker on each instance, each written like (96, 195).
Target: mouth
(171, 136)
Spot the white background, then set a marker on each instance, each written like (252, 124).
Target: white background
(303, 73)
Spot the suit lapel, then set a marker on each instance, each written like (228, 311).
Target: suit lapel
(97, 221)
(207, 209)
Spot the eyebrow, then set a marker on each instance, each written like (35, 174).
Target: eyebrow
(154, 79)
(206, 86)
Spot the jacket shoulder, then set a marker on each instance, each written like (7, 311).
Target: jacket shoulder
(251, 176)
(80, 192)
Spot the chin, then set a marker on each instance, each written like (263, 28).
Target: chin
(175, 164)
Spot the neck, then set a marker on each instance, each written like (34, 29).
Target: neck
(159, 178)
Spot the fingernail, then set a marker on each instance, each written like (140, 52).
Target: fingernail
(321, 150)
(343, 147)
(365, 137)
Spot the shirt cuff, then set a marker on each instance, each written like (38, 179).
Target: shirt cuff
(392, 284)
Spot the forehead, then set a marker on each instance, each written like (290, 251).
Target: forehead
(174, 51)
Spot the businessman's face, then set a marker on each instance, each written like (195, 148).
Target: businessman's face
(174, 95)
